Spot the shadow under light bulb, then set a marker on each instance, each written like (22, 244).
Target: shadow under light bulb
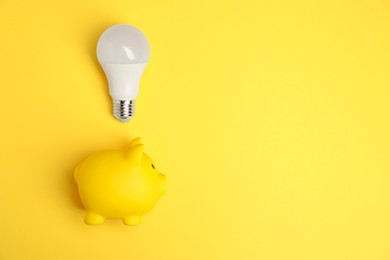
(123, 52)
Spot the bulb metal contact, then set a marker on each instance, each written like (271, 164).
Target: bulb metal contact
(123, 110)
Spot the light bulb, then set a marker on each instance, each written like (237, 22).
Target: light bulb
(123, 52)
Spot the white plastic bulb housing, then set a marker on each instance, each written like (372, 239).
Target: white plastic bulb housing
(123, 52)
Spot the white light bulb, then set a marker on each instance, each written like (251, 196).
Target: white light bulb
(123, 52)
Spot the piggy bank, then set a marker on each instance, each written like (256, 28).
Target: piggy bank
(119, 184)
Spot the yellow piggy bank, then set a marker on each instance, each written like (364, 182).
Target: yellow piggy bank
(119, 184)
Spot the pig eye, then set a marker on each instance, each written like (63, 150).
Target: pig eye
(153, 166)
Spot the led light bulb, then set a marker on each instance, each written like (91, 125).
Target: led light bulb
(123, 52)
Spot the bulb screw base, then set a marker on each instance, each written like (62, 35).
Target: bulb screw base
(123, 110)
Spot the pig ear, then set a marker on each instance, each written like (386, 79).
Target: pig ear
(133, 143)
(134, 154)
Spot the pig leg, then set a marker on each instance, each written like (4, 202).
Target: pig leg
(132, 220)
(92, 218)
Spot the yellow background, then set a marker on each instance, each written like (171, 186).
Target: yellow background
(269, 118)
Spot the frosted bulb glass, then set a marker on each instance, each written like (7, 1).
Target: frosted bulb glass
(123, 52)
